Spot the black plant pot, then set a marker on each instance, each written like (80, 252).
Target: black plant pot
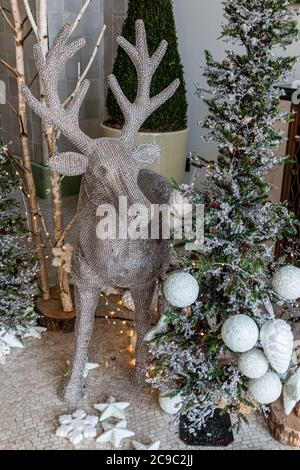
(215, 433)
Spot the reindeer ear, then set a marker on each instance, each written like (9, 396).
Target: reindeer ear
(69, 163)
(146, 153)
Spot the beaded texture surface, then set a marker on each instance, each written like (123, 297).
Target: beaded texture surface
(111, 168)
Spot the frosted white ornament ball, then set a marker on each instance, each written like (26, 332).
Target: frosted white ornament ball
(170, 405)
(181, 289)
(286, 282)
(240, 333)
(253, 364)
(266, 389)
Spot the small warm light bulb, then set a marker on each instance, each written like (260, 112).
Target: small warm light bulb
(120, 302)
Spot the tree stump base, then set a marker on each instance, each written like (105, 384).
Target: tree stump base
(52, 315)
(285, 429)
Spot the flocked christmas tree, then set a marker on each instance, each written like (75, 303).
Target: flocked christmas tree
(212, 353)
(18, 268)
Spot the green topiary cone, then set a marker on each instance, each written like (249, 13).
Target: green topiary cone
(160, 24)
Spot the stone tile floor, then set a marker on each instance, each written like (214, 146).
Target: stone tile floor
(29, 406)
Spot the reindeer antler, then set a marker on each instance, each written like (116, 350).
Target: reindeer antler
(136, 113)
(53, 112)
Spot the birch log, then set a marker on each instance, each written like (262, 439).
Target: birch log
(285, 429)
(28, 176)
(50, 149)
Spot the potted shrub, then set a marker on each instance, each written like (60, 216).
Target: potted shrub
(167, 127)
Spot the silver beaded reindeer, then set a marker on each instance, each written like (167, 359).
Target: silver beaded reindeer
(111, 168)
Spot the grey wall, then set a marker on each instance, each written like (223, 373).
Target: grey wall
(59, 11)
(198, 28)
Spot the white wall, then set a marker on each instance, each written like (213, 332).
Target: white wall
(198, 27)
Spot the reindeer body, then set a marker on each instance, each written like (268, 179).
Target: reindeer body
(121, 263)
(111, 168)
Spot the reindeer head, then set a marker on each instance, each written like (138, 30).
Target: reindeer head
(110, 166)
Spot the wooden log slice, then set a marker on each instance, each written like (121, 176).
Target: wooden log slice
(285, 429)
(52, 315)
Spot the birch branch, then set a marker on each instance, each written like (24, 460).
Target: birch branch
(24, 21)
(47, 233)
(80, 14)
(10, 67)
(31, 19)
(33, 80)
(14, 159)
(26, 35)
(85, 72)
(92, 56)
(7, 20)
(10, 105)
(66, 230)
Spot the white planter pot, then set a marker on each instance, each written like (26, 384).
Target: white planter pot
(173, 145)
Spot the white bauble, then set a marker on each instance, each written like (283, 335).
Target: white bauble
(266, 389)
(253, 364)
(291, 392)
(181, 289)
(240, 333)
(277, 341)
(286, 282)
(170, 405)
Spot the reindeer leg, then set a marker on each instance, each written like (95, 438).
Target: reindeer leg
(142, 300)
(86, 300)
